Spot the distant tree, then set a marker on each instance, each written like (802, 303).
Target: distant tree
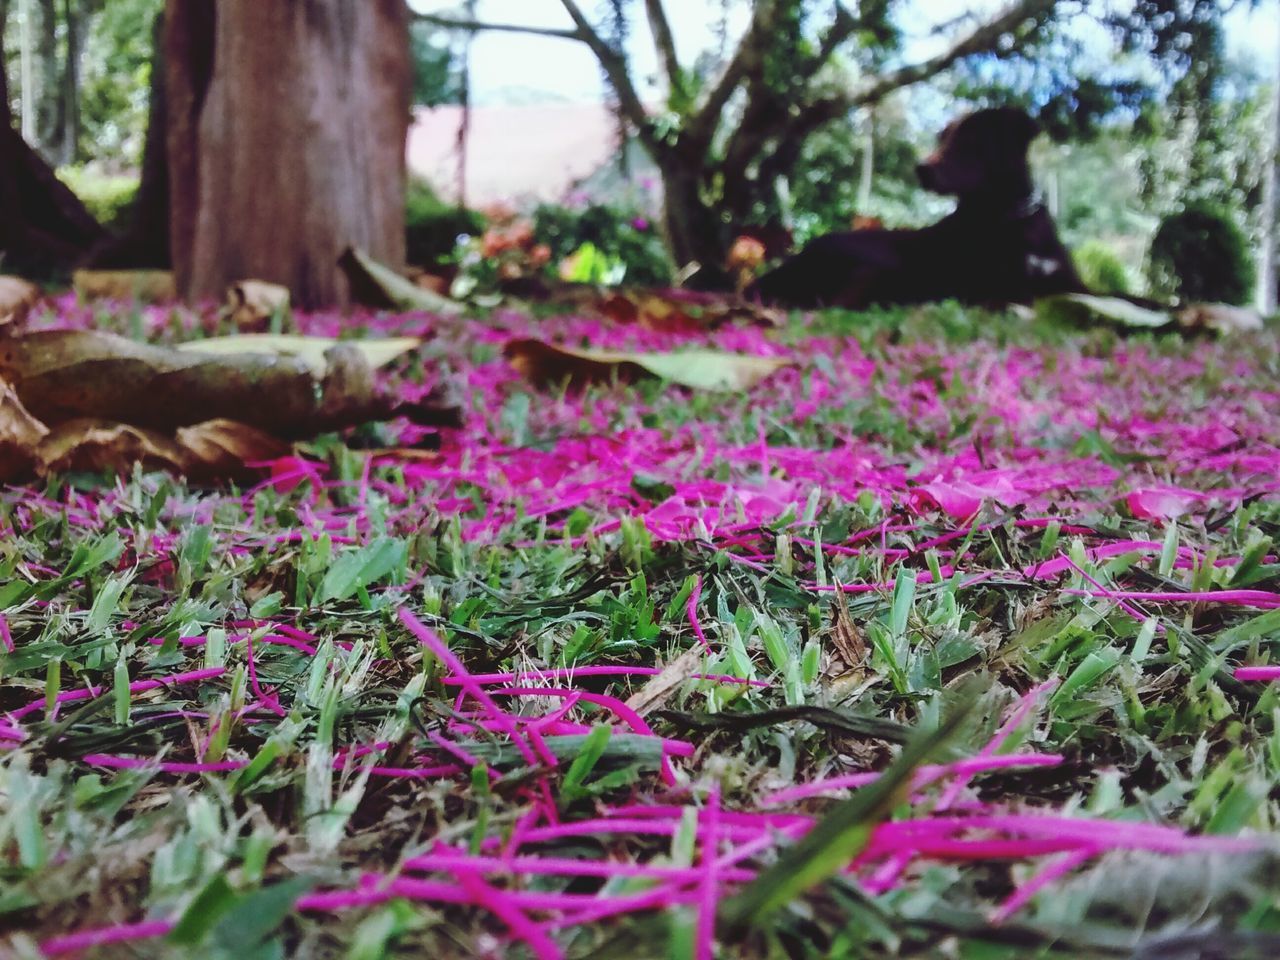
(1269, 211)
(116, 78)
(436, 70)
(285, 129)
(725, 139)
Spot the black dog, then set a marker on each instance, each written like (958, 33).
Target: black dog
(999, 247)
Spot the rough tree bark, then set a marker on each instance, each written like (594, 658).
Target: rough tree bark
(187, 50)
(287, 144)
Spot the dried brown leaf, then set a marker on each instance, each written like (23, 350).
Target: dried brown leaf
(20, 435)
(846, 636)
(225, 448)
(655, 693)
(17, 297)
(680, 310)
(67, 375)
(377, 285)
(217, 450)
(252, 303)
(1219, 318)
(144, 286)
(100, 446)
(546, 363)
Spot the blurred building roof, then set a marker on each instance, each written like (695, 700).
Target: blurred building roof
(527, 152)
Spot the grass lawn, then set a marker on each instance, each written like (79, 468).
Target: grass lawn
(928, 646)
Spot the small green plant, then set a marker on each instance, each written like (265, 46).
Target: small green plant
(1201, 255)
(1102, 270)
(109, 198)
(433, 226)
(615, 234)
(588, 264)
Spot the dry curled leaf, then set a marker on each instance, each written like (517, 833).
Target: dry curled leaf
(17, 297)
(1086, 309)
(252, 303)
(99, 446)
(546, 363)
(848, 640)
(1219, 318)
(376, 285)
(20, 434)
(675, 310)
(226, 448)
(144, 286)
(217, 450)
(434, 283)
(68, 374)
(655, 693)
(313, 351)
(65, 375)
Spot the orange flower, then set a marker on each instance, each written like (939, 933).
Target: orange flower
(521, 235)
(494, 242)
(747, 253)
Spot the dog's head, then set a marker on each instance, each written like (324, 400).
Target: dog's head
(980, 151)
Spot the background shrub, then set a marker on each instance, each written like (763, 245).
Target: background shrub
(108, 197)
(1103, 270)
(432, 225)
(616, 232)
(1201, 255)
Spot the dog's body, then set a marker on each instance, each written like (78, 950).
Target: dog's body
(1000, 246)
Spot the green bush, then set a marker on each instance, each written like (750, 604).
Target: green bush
(109, 198)
(1201, 255)
(1102, 270)
(432, 226)
(617, 233)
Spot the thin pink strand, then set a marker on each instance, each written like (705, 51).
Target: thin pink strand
(428, 639)
(691, 608)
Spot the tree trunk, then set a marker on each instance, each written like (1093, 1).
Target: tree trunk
(693, 230)
(299, 144)
(44, 226)
(70, 104)
(1270, 181)
(49, 95)
(27, 40)
(187, 46)
(145, 243)
(867, 173)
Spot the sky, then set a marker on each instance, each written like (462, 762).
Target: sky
(518, 67)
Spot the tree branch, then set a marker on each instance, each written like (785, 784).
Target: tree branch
(613, 62)
(476, 26)
(664, 40)
(844, 27)
(747, 61)
(615, 69)
(763, 126)
(982, 39)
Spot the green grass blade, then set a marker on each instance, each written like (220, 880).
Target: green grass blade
(845, 832)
